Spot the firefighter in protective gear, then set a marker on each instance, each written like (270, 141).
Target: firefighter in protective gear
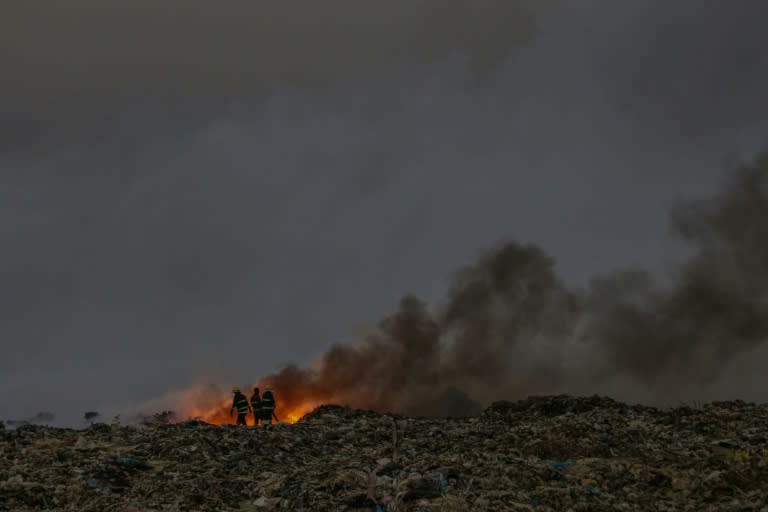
(240, 403)
(256, 407)
(268, 406)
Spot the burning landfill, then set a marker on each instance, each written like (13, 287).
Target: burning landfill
(509, 327)
(545, 454)
(440, 438)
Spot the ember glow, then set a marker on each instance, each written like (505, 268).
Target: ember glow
(212, 405)
(219, 415)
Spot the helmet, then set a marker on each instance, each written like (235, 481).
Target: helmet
(268, 388)
(235, 389)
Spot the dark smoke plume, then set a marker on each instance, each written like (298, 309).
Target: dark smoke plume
(718, 306)
(509, 326)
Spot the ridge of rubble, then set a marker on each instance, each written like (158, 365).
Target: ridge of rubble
(545, 453)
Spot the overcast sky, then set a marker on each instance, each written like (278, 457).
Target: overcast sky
(191, 193)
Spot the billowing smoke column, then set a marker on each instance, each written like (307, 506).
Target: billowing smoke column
(510, 327)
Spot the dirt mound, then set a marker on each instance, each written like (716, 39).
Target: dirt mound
(540, 454)
(554, 406)
(336, 412)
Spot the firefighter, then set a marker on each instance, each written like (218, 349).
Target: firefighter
(240, 403)
(268, 406)
(256, 407)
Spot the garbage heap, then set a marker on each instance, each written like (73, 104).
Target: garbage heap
(555, 453)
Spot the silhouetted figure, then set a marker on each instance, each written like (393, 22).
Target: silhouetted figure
(256, 407)
(268, 406)
(239, 403)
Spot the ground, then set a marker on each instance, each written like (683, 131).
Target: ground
(542, 454)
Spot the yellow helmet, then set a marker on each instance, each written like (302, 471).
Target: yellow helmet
(268, 388)
(235, 389)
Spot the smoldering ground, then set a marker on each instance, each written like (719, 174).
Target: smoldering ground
(509, 326)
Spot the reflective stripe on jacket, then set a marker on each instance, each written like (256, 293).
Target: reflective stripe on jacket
(268, 401)
(241, 404)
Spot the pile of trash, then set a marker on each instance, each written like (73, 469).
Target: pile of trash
(541, 454)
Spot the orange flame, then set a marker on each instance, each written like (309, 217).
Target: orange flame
(220, 415)
(212, 405)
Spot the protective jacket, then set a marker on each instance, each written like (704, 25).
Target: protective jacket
(240, 403)
(256, 403)
(267, 404)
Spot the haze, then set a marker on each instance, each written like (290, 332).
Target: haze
(195, 194)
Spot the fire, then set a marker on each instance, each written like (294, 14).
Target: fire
(219, 415)
(216, 415)
(212, 405)
(295, 413)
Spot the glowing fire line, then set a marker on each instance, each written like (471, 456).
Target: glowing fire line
(219, 414)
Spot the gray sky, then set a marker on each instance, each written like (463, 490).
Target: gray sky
(195, 195)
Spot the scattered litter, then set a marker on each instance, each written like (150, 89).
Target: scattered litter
(543, 453)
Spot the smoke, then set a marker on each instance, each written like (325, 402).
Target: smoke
(75, 63)
(717, 308)
(509, 326)
(189, 188)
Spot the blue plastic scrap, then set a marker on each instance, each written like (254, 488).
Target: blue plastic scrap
(130, 462)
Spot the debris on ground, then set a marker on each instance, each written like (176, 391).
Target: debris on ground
(555, 453)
